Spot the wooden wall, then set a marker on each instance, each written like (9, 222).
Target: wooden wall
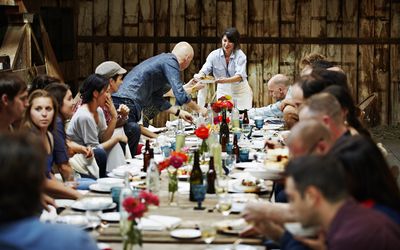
(363, 37)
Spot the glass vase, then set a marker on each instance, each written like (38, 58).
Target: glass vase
(172, 186)
(131, 234)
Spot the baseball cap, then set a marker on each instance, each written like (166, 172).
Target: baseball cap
(109, 69)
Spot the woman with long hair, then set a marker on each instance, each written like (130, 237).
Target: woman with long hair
(88, 125)
(40, 119)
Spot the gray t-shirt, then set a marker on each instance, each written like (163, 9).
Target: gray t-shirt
(83, 129)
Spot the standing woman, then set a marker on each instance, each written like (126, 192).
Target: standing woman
(40, 119)
(228, 66)
(88, 125)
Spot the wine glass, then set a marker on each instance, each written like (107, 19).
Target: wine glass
(94, 221)
(208, 233)
(230, 161)
(224, 204)
(246, 130)
(221, 185)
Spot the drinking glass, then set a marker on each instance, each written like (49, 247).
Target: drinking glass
(224, 205)
(208, 233)
(259, 121)
(244, 154)
(221, 185)
(93, 217)
(230, 161)
(246, 130)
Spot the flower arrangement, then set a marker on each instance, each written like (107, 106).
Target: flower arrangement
(136, 207)
(223, 103)
(203, 132)
(172, 164)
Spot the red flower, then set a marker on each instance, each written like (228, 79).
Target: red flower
(181, 155)
(220, 119)
(134, 207)
(175, 161)
(163, 165)
(149, 198)
(202, 132)
(222, 103)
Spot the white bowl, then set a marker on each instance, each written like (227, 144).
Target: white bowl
(263, 174)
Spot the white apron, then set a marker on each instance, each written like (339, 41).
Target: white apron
(240, 92)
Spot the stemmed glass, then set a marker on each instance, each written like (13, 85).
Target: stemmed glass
(221, 185)
(224, 204)
(246, 130)
(230, 161)
(94, 220)
(208, 233)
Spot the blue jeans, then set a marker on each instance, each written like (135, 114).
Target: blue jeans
(101, 158)
(131, 128)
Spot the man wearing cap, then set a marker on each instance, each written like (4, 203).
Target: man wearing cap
(115, 73)
(146, 84)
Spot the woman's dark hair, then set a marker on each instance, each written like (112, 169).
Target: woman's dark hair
(92, 83)
(347, 103)
(321, 64)
(319, 79)
(27, 121)
(58, 91)
(41, 81)
(11, 85)
(22, 161)
(369, 176)
(233, 36)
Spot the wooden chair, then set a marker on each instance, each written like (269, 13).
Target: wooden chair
(364, 106)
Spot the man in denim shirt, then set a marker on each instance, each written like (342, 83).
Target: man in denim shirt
(146, 84)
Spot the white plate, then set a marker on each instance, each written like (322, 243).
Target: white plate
(240, 175)
(75, 220)
(264, 174)
(110, 182)
(238, 247)
(245, 165)
(100, 188)
(103, 246)
(94, 203)
(237, 187)
(64, 202)
(297, 229)
(111, 216)
(273, 126)
(185, 233)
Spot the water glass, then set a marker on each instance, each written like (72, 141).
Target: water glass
(230, 161)
(208, 233)
(115, 195)
(244, 154)
(221, 185)
(259, 121)
(224, 205)
(166, 151)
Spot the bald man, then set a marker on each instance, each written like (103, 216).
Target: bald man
(279, 89)
(146, 84)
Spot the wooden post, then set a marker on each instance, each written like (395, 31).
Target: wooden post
(131, 29)
(394, 65)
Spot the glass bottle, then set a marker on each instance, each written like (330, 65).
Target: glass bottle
(211, 176)
(224, 132)
(153, 178)
(235, 147)
(180, 136)
(146, 156)
(126, 191)
(196, 176)
(235, 115)
(245, 117)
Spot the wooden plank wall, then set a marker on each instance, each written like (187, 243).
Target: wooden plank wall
(361, 36)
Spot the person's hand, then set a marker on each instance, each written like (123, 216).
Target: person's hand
(197, 77)
(286, 102)
(123, 138)
(110, 106)
(220, 80)
(186, 116)
(47, 200)
(123, 111)
(203, 111)
(255, 211)
(316, 244)
(86, 151)
(198, 86)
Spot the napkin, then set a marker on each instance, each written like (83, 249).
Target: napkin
(159, 222)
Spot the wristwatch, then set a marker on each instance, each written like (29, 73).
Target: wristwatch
(177, 112)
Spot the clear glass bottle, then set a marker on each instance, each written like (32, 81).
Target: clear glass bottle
(235, 117)
(153, 178)
(126, 191)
